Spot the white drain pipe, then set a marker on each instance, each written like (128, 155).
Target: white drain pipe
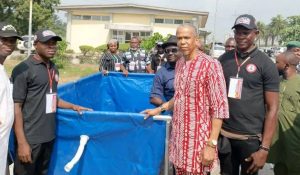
(83, 140)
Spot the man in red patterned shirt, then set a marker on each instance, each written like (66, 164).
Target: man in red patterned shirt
(199, 107)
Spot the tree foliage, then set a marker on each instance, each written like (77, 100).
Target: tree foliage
(150, 42)
(17, 13)
(280, 29)
(60, 58)
(262, 31)
(292, 30)
(275, 27)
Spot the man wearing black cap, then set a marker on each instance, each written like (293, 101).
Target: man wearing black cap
(8, 40)
(35, 99)
(163, 84)
(253, 83)
(159, 58)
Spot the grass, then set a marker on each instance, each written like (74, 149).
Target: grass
(70, 72)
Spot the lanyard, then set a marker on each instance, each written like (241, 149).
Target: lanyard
(239, 65)
(50, 78)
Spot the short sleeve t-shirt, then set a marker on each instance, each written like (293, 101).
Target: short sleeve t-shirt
(163, 84)
(31, 84)
(259, 74)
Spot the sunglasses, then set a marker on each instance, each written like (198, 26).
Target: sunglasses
(230, 46)
(171, 50)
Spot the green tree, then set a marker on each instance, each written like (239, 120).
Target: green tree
(17, 13)
(292, 30)
(276, 27)
(6, 10)
(150, 42)
(262, 31)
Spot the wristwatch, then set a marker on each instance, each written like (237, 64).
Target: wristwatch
(162, 109)
(264, 148)
(212, 143)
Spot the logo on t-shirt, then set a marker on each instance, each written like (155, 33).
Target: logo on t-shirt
(56, 77)
(251, 68)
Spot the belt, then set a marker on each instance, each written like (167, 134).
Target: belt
(236, 136)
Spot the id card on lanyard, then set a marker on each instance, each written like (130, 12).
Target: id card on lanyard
(51, 98)
(117, 64)
(236, 83)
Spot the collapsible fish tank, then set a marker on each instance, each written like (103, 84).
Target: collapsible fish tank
(114, 139)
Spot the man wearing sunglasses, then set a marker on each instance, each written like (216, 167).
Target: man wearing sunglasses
(199, 106)
(252, 84)
(230, 44)
(163, 84)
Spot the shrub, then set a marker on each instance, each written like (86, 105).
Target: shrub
(85, 49)
(123, 47)
(88, 59)
(150, 42)
(70, 51)
(60, 58)
(101, 48)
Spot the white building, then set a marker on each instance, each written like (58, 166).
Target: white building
(95, 23)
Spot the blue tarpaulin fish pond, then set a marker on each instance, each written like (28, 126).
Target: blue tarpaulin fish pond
(120, 141)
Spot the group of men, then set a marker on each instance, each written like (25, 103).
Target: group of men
(29, 101)
(224, 108)
(237, 97)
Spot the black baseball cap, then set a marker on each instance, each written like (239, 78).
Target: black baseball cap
(246, 20)
(159, 43)
(8, 30)
(172, 41)
(45, 35)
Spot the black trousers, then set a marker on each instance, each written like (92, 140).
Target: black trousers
(234, 157)
(40, 155)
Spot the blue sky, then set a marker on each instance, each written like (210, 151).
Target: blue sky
(227, 10)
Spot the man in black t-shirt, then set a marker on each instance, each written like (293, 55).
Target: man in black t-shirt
(35, 99)
(159, 58)
(252, 83)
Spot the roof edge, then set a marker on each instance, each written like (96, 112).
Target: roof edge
(70, 7)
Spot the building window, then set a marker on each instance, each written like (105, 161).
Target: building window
(85, 17)
(96, 18)
(105, 18)
(76, 17)
(88, 17)
(169, 21)
(125, 36)
(135, 34)
(188, 22)
(178, 21)
(158, 20)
